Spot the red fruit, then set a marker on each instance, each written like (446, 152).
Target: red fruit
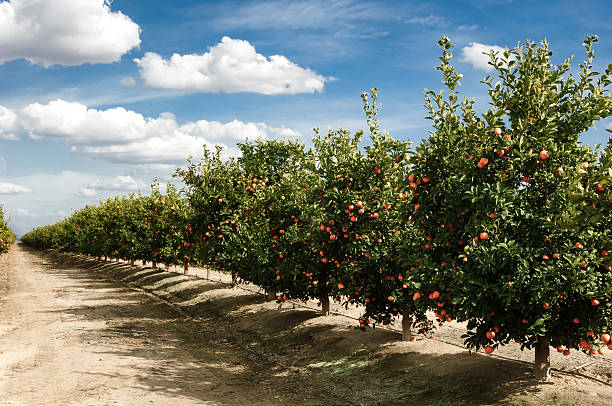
(353, 219)
(493, 215)
(425, 179)
(402, 195)
(375, 215)
(391, 298)
(579, 245)
(497, 131)
(595, 302)
(566, 352)
(585, 344)
(435, 295)
(559, 349)
(576, 320)
(359, 203)
(484, 236)
(610, 346)
(600, 187)
(416, 296)
(340, 286)
(488, 349)
(555, 256)
(526, 179)
(416, 206)
(490, 335)
(545, 257)
(483, 162)
(543, 155)
(605, 337)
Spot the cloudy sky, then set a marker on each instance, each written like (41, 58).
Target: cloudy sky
(98, 98)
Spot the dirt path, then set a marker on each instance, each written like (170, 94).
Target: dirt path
(67, 338)
(75, 331)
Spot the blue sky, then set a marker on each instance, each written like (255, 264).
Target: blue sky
(93, 103)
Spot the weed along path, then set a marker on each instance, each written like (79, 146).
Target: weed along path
(77, 332)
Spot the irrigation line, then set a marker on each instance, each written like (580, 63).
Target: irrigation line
(302, 305)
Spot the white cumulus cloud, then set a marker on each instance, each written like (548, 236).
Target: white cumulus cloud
(123, 136)
(8, 124)
(65, 32)
(86, 192)
(13, 189)
(120, 183)
(478, 55)
(127, 81)
(230, 66)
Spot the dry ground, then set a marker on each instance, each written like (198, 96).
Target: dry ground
(77, 332)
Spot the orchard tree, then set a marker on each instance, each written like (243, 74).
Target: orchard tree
(270, 235)
(7, 237)
(494, 244)
(213, 194)
(364, 204)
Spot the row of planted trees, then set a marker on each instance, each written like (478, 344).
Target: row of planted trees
(7, 237)
(502, 220)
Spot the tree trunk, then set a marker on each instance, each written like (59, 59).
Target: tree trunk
(406, 332)
(154, 264)
(105, 258)
(234, 278)
(324, 306)
(132, 261)
(144, 263)
(542, 360)
(271, 295)
(207, 273)
(185, 266)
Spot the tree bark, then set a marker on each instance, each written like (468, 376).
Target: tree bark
(154, 264)
(185, 266)
(406, 332)
(542, 360)
(324, 306)
(271, 295)
(234, 278)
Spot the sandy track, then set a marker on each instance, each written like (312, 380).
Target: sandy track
(67, 338)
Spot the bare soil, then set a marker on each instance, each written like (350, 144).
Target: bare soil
(74, 331)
